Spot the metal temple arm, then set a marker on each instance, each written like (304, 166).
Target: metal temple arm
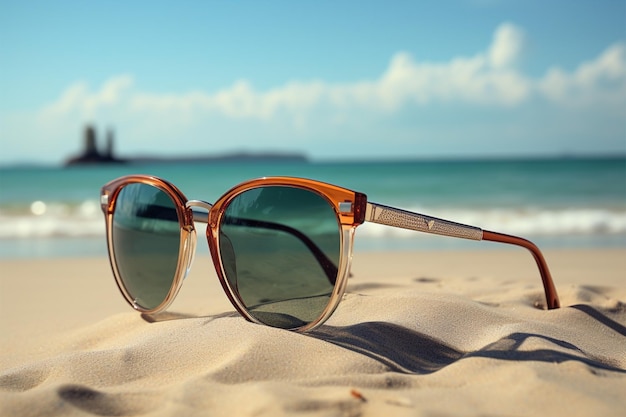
(377, 213)
(390, 216)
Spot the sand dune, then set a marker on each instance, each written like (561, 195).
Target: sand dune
(442, 333)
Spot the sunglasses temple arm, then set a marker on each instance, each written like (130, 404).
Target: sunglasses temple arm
(552, 297)
(390, 216)
(330, 269)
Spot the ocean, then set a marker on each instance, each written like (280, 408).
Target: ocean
(557, 203)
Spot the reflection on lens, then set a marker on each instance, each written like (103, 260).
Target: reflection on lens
(146, 241)
(280, 249)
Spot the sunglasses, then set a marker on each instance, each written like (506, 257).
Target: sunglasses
(281, 246)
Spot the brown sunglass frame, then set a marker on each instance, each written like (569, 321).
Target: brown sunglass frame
(351, 209)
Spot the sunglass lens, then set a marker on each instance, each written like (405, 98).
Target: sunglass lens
(279, 248)
(146, 241)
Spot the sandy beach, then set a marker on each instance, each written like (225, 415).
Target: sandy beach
(418, 333)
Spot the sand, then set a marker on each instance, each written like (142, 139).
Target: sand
(419, 333)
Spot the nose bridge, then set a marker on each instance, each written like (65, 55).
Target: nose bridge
(199, 215)
(201, 211)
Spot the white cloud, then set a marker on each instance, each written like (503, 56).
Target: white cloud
(490, 78)
(77, 99)
(507, 47)
(69, 100)
(602, 80)
(238, 101)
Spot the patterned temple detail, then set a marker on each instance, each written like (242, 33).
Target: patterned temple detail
(377, 213)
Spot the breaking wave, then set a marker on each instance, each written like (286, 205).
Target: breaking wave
(85, 219)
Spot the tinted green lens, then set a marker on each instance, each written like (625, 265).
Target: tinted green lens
(146, 241)
(280, 250)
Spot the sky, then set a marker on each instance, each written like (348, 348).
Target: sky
(331, 79)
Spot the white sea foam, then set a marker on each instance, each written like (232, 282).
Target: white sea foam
(526, 222)
(41, 220)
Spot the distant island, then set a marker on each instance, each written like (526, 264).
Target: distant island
(91, 155)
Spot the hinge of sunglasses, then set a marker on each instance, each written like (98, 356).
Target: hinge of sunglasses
(104, 199)
(345, 207)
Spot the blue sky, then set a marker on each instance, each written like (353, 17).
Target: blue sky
(335, 80)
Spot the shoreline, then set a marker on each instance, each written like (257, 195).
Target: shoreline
(67, 247)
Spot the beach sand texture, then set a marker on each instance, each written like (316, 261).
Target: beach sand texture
(419, 333)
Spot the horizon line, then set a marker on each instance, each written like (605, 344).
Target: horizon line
(264, 156)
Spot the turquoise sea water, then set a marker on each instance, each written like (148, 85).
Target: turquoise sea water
(54, 211)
